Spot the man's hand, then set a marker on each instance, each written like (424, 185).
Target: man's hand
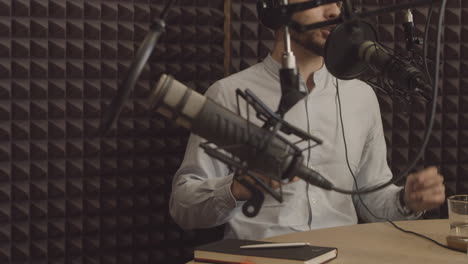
(424, 190)
(241, 193)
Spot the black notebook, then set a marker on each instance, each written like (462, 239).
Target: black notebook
(229, 251)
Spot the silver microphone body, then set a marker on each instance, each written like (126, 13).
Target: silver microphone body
(261, 151)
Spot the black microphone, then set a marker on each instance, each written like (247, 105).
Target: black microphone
(396, 71)
(408, 26)
(352, 49)
(251, 144)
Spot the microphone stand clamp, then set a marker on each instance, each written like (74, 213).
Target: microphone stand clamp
(252, 207)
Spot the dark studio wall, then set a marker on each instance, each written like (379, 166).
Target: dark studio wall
(69, 195)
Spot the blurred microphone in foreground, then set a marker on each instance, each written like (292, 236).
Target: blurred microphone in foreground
(254, 145)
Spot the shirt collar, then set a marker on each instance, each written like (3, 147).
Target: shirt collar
(273, 67)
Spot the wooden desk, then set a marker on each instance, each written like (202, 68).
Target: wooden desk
(382, 243)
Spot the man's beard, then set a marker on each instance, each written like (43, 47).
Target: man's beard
(309, 43)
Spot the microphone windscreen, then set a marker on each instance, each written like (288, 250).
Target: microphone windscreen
(342, 46)
(176, 101)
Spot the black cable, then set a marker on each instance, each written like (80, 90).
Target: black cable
(428, 132)
(357, 187)
(352, 173)
(308, 158)
(426, 42)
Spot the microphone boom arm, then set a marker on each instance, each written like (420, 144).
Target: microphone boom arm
(362, 15)
(143, 54)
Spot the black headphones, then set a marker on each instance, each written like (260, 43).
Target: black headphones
(273, 14)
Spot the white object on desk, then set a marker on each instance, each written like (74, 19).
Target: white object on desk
(275, 245)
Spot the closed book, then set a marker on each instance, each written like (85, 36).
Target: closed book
(229, 251)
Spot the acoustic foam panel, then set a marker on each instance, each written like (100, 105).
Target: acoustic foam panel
(68, 194)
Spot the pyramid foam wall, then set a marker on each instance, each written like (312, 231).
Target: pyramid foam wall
(68, 194)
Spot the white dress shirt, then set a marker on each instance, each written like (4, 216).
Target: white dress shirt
(201, 195)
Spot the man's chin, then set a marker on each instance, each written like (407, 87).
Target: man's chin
(317, 49)
(313, 45)
(316, 45)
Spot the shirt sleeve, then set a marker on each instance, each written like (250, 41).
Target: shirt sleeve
(201, 189)
(374, 171)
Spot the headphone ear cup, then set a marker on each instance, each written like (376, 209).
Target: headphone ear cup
(269, 13)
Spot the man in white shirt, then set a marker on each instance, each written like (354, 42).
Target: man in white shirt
(206, 195)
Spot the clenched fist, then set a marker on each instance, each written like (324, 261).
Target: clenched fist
(424, 190)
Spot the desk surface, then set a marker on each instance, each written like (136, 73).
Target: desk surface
(382, 243)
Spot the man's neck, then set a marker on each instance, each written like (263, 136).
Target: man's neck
(307, 61)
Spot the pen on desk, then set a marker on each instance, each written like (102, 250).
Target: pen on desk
(275, 245)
